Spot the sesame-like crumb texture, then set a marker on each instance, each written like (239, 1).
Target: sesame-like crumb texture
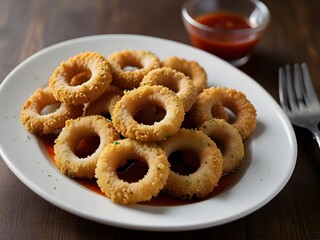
(141, 109)
(124, 122)
(229, 140)
(114, 155)
(75, 130)
(88, 91)
(206, 177)
(234, 100)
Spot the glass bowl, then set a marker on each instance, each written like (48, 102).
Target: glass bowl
(229, 29)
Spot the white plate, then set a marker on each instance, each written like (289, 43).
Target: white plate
(271, 150)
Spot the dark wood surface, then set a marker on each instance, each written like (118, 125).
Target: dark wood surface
(27, 26)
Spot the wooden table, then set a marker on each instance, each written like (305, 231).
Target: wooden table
(293, 36)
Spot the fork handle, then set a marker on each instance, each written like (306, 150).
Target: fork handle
(316, 136)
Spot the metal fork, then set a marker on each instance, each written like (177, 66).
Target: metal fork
(298, 98)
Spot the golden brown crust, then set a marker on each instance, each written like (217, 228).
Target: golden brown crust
(39, 123)
(232, 99)
(191, 69)
(201, 182)
(67, 91)
(74, 131)
(230, 141)
(146, 96)
(175, 81)
(149, 113)
(142, 62)
(105, 103)
(115, 155)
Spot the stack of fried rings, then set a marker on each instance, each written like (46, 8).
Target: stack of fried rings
(90, 85)
(176, 81)
(141, 62)
(191, 69)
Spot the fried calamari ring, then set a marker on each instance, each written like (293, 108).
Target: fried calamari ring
(36, 121)
(144, 97)
(105, 103)
(175, 81)
(235, 101)
(229, 141)
(67, 91)
(205, 178)
(139, 62)
(74, 131)
(191, 69)
(116, 155)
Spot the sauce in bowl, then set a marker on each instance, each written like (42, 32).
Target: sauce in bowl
(228, 39)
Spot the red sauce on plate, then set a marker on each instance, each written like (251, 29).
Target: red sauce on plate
(135, 170)
(224, 44)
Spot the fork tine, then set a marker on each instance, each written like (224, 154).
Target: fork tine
(310, 96)
(283, 96)
(290, 89)
(298, 86)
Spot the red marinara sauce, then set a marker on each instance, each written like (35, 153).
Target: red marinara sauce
(224, 43)
(136, 171)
